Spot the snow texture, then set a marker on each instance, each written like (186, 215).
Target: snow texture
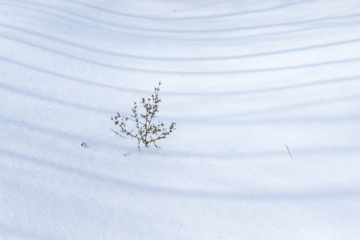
(265, 94)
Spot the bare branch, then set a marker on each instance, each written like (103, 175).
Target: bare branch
(146, 132)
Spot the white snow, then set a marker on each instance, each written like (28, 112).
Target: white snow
(244, 80)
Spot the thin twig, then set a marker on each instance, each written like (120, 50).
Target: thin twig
(127, 118)
(289, 151)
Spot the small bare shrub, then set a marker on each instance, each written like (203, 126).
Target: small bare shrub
(146, 131)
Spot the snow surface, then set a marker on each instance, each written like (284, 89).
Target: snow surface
(244, 80)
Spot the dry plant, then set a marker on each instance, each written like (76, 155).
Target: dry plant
(146, 131)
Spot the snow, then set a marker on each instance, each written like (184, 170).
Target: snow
(247, 83)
